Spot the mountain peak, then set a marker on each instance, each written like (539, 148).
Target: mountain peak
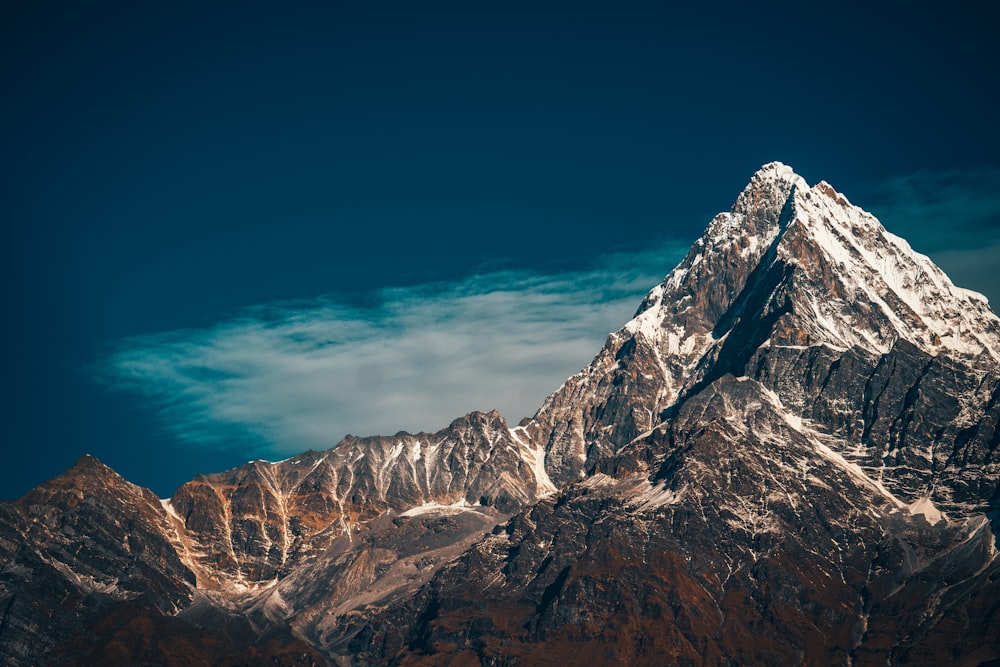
(88, 468)
(87, 475)
(788, 267)
(777, 171)
(757, 211)
(90, 462)
(849, 280)
(770, 186)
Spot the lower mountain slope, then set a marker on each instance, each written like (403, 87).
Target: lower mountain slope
(734, 534)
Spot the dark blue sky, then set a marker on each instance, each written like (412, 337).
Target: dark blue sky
(167, 165)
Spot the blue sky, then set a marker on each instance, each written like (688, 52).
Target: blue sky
(298, 223)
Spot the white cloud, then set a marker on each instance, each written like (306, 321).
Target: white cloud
(282, 378)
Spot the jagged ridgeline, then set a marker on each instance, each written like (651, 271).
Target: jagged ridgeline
(788, 456)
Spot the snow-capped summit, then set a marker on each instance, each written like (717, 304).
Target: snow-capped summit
(790, 271)
(845, 279)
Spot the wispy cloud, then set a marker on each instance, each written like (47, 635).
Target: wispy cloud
(953, 216)
(281, 378)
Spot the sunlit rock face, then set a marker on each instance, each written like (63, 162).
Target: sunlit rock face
(252, 525)
(788, 456)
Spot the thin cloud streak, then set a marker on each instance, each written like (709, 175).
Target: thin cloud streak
(282, 378)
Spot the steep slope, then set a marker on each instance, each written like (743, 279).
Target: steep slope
(330, 599)
(644, 366)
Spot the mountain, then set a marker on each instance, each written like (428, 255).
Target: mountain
(369, 513)
(789, 455)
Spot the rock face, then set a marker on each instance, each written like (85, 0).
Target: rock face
(77, 546)
(250, 526)
(789, 455)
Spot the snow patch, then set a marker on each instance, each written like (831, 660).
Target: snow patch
(646, 323)
(924, 507)
(276, 608)
(854, 470)
(535, 458)
(457, 507)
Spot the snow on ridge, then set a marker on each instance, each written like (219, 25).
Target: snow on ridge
(876, 263)
(778, 171)
(647, 323)
(972, 295)
(649, 497)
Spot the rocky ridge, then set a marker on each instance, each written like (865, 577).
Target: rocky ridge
(275, 515)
